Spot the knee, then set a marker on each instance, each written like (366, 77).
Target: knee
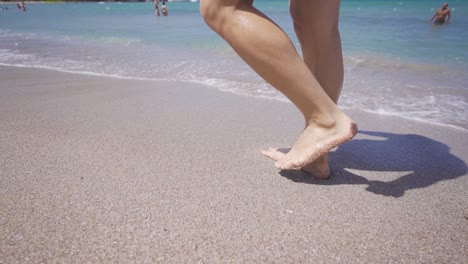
(217, 13)
(309, 18)
(211, 11)
(297, 13)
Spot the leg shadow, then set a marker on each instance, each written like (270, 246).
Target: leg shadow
(424, 160)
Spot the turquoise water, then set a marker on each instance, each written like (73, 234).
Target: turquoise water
(396, 62)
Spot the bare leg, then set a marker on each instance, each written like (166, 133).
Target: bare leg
(268, 50)
(156, 7)
(316, 26)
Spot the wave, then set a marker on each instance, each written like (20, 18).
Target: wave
(401, 93)
(261, 93)
(396, 63)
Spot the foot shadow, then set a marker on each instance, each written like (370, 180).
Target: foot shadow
(425, 162)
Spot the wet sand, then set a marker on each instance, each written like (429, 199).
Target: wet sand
(97, 169)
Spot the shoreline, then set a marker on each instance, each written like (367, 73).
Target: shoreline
(98, 169)
(461, 129)
(65, 1)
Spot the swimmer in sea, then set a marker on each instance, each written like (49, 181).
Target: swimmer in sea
(156, 7)
(441, 14)
(21, 6)
(164, 9)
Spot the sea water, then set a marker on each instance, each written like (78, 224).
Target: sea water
(396, 62)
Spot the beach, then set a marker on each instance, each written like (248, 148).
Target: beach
(131, 138)
(108, 170)
(395, 62)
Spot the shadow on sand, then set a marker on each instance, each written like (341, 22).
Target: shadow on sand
(424, 160)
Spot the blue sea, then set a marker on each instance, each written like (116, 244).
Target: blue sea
(396, 62)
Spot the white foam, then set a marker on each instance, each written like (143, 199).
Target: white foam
(223, 85)
(364, 88)
(412, 118)
(83, 72)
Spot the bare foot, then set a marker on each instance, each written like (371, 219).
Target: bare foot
(318, 169)
(316, 141)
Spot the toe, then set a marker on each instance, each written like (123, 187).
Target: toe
(291, 165)
(273, 154)
(279, 164)
(286, 165)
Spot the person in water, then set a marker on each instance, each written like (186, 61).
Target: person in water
(164, 9)
(441, 15)
(313, 83)
(156, 7)
(21, 6)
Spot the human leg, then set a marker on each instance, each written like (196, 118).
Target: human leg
(316, 26)
(268, 50)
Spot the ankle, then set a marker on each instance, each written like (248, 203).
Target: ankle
(321, 121)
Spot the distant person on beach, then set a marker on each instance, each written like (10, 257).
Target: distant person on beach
(156, 7)
(21, 6)
(164, 8)
(313, 83)
(441, 14)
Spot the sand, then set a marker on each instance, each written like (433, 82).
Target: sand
(104, 170)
